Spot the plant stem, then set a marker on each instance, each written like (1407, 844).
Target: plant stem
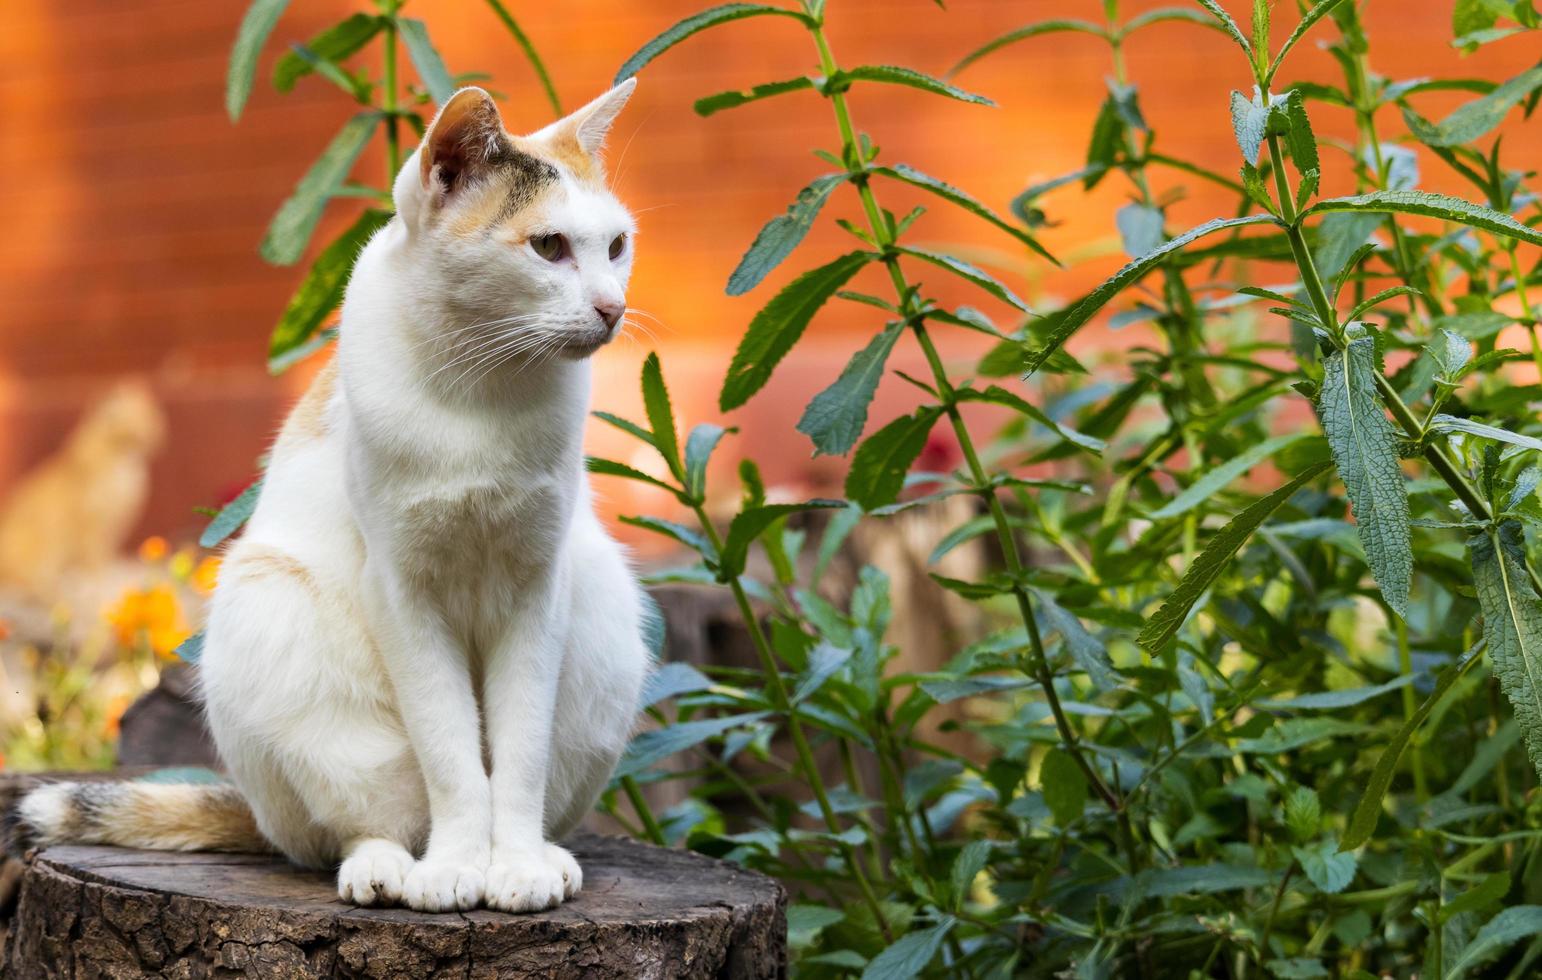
(782, 702)
(644, 812)
(1410, 708)
(388, 96)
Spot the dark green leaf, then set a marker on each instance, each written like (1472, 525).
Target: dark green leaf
(777, 327)
(696, 23)
(425, 58)
(1213, 480)
(1165, 622)
(698, 450)
(737, 97)
(782, 234)
(749, 524)
(1432, 206)
(334, 44)
(1477, 117)
(1498, 934)
(895, 75)
(835, 418)
(1491, 889)
(909, 954)
(1065, 786)
(1085, 649)
(878, 469)
(948, 192)
(322, 288)
(654, 746)
(661, 415)
(291, 228)
(1023, 34)
(1365, 449)
(964, 270)
(1512, 625)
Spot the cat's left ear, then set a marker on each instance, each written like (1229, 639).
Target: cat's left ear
(588, 127)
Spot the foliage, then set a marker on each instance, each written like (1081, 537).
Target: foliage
(1287, 725)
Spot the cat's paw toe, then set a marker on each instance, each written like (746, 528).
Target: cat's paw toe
(439, 886)
(374, 875)
(533, 883)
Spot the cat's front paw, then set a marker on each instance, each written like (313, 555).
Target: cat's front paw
(533, 882)
(374, 873)
(443, 886)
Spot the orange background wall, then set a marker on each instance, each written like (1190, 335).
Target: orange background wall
(133, 207)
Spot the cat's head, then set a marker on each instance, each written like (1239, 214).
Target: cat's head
(520, 237)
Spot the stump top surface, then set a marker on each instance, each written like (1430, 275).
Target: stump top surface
(625, 882)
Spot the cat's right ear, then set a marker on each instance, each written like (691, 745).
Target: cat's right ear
(465, 138)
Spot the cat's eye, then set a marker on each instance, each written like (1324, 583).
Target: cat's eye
(617, 246)
(549, 247)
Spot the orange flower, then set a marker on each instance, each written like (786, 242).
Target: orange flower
(204, 576)
(152, 616)
(114, 714)
(152, 548)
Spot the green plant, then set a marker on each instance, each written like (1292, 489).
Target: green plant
(1185, 762)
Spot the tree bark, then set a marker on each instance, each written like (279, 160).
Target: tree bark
(644, 912)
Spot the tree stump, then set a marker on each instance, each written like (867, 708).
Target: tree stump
(644, 912)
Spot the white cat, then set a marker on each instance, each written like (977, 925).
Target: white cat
(425, 654)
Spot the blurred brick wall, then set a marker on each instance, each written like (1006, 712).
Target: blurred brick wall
(134, 208)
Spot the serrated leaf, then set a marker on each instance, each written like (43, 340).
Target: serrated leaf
(334, 44)
(1365, 450)
(965, 270)
(748, 525)
(231, 517)
(1303, 813)
(291, 228)
(609, 467)
(1498, 934)
(661, 415)
(1023, 34)
(878, 469)
(695, 24)
(835, 418)
(1330, 869)
(1512, 625)
(256, 25)
(1431, 206)
(896, 75)
(948, 192)
(1299, 139)
(425, 58)
(967, 866)
(1086, 650)
(1204, 570)
(737, 97)
(698, 450)
(322, 289)
(777, 327)
(997, 395)
(782, 234)
(1475, 118)
(1076, 316)
(1249, 123)
(1362, 824)
(1214, 480)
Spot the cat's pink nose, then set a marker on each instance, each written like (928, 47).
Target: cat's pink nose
(610, 312)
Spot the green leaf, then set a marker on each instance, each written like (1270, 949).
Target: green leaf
(1365, 449)
(1491, 889)
(1162, 14)
(1204, 570)
(1339, 236)
(737, 97)
(1362, 824)
(1447, 423)
(909, 954)
(948, 192)
(1086, 650)
(782, 234)
(698, 450)
(1431, 206)
(654, 746)
(292, 227)
(835, 418)
(1072, 320)
(688, 536)
(425, 58)
(1303, 813)
(1065, 786)
(1213, 480)
(700, 22)
(806, 922)
(1512, 625)
(965, 270)
(253, 33)
(531, 55)
(661, 416)
(1322, 9)
(777, 327)
(1498, 934)
(1475, 118)
(1250, 123)
(230, 518)
(895, 75)
(1201, 879)
(672, 680)
(1140, 228)
(322, 288)
(1023, 34)
(1330, 869)
(333, 44)
(823, 662)
(609, 467)
(278, 365)
(1229, 26)
(997, 395)
(190, 650)
(748, 525)
(1299, 139)
(878, 469)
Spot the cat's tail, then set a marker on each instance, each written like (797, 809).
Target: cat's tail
(156, 816)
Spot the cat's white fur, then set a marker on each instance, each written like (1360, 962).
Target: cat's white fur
(425, 654)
